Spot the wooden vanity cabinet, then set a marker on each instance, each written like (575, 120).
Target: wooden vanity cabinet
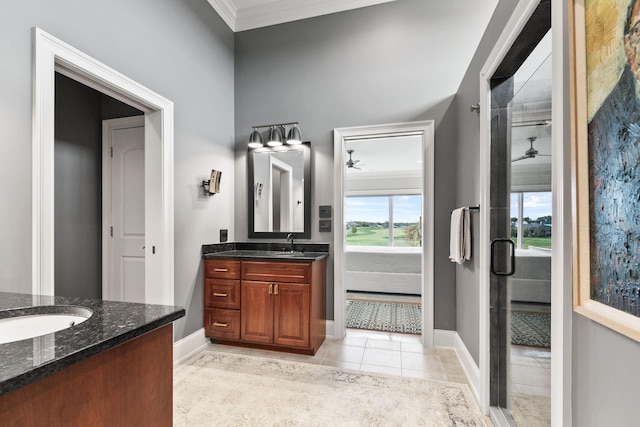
(282, 305)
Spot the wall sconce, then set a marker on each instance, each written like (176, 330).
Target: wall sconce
(275, 135)
(213, 185)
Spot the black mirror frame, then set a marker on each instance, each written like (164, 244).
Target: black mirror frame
(306, 234)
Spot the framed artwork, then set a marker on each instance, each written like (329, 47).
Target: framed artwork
(605, 125)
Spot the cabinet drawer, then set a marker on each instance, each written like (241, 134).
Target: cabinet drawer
(269, 271)
(222, 293)
(222, 323)
(222, 269)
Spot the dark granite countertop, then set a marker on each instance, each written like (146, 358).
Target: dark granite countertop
(112, 323)
(266, 251)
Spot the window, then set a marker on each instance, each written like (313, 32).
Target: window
(531, 219)
(384, 221)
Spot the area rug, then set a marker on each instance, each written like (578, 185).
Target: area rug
(222, 389)
(531, 329)
(384, 316)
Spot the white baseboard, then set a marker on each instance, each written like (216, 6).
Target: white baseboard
(451, 339)
(188, 346)
(330, 329)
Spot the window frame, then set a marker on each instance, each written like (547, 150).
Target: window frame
(389, 196)
(519, 226)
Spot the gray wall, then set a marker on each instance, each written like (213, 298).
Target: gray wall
(468, 178)
(180, 49)
(78, 190)
(605, 378)
(381, 64)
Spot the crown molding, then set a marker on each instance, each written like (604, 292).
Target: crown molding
(227, 11)
(281, 11)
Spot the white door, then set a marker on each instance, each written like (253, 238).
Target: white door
(123, 210)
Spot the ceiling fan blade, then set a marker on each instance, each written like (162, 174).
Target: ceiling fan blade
(546, 155)
(520, 158)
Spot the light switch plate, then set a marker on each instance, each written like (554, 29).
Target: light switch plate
(324, 211)
(324, 225)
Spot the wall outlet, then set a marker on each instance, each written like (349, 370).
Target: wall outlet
(223, 235)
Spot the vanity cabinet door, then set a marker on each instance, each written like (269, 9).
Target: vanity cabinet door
(291, 315)
(257, 311)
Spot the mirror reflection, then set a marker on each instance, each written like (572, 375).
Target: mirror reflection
(279, 190)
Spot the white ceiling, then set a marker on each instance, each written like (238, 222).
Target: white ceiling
(241, 15)
(392, 154)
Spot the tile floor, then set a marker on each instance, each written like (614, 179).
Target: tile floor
(531, 370)
(373, 351)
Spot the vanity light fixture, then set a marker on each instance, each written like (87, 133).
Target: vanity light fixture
(255, 140)
(274, 135)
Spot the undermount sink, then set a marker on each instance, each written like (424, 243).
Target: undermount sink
(25, 323)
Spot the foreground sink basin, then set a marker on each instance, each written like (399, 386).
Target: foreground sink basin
(21, 324)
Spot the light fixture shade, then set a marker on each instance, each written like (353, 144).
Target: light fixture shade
(275, 137)
(294, 137)
(255, 140)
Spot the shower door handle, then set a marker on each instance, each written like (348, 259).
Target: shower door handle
(512, 256)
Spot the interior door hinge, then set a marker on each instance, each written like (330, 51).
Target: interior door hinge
(111, 150)
(111, 231)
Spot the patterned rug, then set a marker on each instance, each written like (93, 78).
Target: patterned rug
(531, 329)
(384, 316)
(222, 389)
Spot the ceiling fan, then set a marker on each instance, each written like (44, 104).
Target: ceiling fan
(352, 163)
(531, 152)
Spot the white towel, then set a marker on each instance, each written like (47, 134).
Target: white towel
(460, 236)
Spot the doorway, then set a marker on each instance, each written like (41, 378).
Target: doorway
(519, 171)
(383, 216)
(51, 56)
(382, 230)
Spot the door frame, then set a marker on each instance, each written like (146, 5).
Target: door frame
(286, 172)
(52, 55)
(561, 211)
(340, 137)
(108, 126)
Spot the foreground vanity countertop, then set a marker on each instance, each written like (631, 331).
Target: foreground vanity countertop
(112, 323)
(266, 251)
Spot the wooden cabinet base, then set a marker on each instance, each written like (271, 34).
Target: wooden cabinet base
(267, 304)
(131, 384)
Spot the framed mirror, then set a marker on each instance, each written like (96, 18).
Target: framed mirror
(279, 191)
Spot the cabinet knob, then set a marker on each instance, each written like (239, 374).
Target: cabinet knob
(270, 288)
(275, 291)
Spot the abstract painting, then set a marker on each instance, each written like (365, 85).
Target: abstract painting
(605, 101)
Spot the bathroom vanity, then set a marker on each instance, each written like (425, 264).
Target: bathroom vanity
(266, 296)
(114, 368)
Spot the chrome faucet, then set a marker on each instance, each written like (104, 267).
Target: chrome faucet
(290, 238)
